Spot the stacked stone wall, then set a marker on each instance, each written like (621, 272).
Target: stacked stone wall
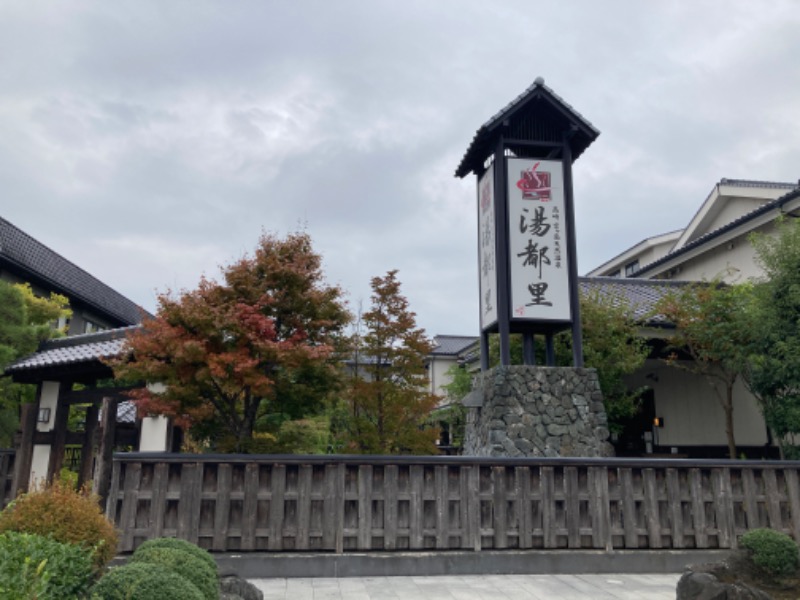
(537, 411)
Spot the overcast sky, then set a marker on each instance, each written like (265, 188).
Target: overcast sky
(150, 142)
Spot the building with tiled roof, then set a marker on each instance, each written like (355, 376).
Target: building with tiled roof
(450, 350)
(95, 305)
(714, 244)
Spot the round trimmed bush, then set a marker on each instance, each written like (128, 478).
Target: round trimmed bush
(66, 515)
(144, 581)
(185, 564)
(178, 544)
(34, 566)
(772, 552)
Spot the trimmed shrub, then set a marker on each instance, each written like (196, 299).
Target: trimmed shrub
(66, 515)
(772, 552)
(144, 581)
(33, 566)
(178, 544)
(185, 564)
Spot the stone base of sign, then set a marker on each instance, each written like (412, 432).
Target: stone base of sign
(520, 411)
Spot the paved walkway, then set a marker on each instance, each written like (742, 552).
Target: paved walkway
(474, 587)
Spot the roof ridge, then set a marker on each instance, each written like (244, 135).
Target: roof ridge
(758, 183)
(632, 280)
(88, 338)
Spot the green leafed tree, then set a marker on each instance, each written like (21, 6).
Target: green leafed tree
(714, 328)
(775, 362)
(388, 399)
(25, 321)
(256, 348)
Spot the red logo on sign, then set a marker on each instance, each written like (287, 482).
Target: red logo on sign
(534, 185)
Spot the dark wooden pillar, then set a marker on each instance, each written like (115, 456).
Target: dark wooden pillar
(60, 427)
(572, 252)
(87, 450)
(501, 254)
(105, 454)
(24, 453)
(528, 348)
(550, 350)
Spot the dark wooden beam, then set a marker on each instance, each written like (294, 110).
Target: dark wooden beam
(96, 395)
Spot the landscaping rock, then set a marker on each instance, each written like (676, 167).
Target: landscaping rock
(232, 587)
(703, 585)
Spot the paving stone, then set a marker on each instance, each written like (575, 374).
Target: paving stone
(475, 587)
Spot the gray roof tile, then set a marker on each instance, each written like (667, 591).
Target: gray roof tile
(452, 344)
(23, 252)
(752, 183)
(73, 350)
(640, 295)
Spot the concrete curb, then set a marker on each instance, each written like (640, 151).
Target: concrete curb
(257, 565)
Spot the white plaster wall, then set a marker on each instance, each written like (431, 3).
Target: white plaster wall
(732, 209)
(157, 387)
(652, 254)
(48, 398)
(40, 461)
(733, 261)
(437, 373)
(154, 434)
(692, 413)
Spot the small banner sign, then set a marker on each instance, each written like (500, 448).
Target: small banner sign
(487, 258)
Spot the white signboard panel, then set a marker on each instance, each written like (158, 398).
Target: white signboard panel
(537, 240)
(487, 259)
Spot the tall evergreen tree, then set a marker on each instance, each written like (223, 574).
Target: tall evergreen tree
(388, 397)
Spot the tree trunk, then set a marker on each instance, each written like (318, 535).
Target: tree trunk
(728, 407)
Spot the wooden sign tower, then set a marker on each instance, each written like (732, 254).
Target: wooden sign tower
(527, 261)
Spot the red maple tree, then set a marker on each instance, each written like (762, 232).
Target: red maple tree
(223, 349)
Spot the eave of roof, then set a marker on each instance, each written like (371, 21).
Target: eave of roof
(477, 153)
(641, 296)
(29, 256)
(712, 201)
(452, 345)
(762, 210)
(72, 351)
(623, 257)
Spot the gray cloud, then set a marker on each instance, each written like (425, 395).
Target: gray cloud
(150, 142)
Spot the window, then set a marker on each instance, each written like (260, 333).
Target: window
(631, 268)
(91, 327)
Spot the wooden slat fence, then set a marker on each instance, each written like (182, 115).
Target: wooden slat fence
(358, 503)
(6, 476)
